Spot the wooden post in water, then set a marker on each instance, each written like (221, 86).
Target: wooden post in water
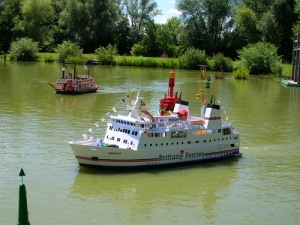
(74, 75)
(23, 212)
(296, 59)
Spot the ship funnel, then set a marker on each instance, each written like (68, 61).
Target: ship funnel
(212, 116)
(180, 104)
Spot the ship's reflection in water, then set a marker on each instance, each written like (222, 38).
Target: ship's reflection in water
(177, 193)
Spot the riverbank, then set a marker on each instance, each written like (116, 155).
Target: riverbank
(159, 62)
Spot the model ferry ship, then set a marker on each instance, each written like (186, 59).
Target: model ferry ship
(134, 140)
(75, 84)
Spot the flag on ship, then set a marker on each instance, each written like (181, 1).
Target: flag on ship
(85, 67)
(91, 131)
(143, 103)
(84, 136)
(102, 119)
(114, 109)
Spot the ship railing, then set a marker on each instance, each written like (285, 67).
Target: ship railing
(226, 124)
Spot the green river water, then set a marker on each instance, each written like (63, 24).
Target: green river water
(261, 187)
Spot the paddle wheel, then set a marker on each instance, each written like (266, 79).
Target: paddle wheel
(169, 100)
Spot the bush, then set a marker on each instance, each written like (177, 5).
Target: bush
(258, 57)
(147, 62)
(276, 68)
(138, 50)
(107, 56)
(192, 59)
(49, 59)
(241, 73)
(67, 49)
(221, 63)
(76, 59)
(23, 49)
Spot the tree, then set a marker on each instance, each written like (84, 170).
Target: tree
(246, 21)
(122, 37)
(36, 15)
(205, 22)
(276, 18)
(285, 17)
(258, 6)
(74, 20)
(90, 23)
(166, 37)
(149, 40)
(139, 12)
(9, 12)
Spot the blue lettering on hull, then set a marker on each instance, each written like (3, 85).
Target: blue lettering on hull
(180, 156)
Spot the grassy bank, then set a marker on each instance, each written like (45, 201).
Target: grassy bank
(287, 70)
(140, 61)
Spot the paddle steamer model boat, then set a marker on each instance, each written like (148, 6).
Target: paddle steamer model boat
(136, 141)
(75, 84)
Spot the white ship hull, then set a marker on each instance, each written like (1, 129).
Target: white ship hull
(91, 153)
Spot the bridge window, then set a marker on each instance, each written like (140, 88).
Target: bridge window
(226, 131)
(178, 134)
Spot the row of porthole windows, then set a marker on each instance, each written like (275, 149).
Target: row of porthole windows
(182, 134)
(188, 142)
(119, 140)
(127, 131)
(124, 122)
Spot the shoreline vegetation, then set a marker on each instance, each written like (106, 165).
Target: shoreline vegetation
(159, 62)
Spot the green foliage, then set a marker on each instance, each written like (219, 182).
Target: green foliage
(107, 56)
(276, 68)
(246, 22)
(67, 49)
(166, 38)
(167, 63)
(205, 23)
(76, 59)
(49, 59)
(138, 50)
(140, 13)
(149, 40)
(287, 70)
(36, 15)
(241, 73)
(258, 57)
(147, 62)
(192, 58)
(221, 63)
(23, 49)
